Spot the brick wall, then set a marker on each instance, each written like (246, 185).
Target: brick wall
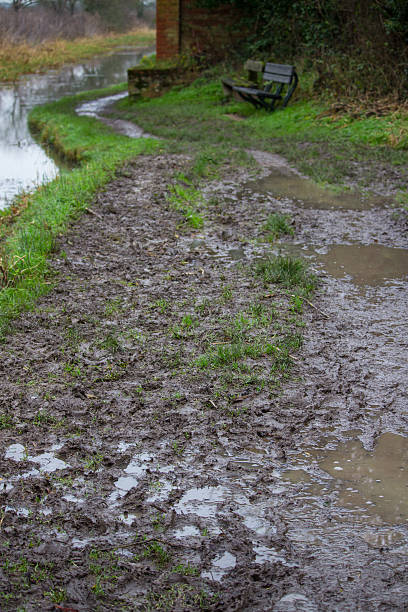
(182, 26)
(207, 31)
(167, 28)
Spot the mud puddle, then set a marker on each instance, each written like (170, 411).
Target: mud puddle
(309, 195)
(373, 483)
(363, 265)
(366, 265)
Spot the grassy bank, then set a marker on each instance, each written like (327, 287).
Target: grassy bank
(322, 143)
(28, 237)
(24, 58)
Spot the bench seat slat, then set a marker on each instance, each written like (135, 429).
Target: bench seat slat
(257, 92)
(254, 65)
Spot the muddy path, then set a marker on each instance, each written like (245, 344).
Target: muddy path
(145, 468)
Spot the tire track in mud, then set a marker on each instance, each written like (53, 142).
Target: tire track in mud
(132, 480)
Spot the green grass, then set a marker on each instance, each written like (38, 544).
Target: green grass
(278, 225)
(179, 596)
(291, 273)
(98, 153)
(187, 200)
(402, 198)
(195, 118)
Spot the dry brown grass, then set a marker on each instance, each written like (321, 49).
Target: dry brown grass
(366, 106)
(18, 58)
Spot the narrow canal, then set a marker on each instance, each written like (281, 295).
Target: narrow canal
(23, 163)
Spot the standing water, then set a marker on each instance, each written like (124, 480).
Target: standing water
(23, 163)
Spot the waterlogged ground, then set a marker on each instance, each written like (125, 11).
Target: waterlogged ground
(154, 456)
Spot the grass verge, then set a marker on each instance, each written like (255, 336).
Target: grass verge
(26, 243)
(18, 59)
(323, 145)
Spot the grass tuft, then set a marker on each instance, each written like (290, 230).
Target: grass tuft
(278, 225)
(290, 272)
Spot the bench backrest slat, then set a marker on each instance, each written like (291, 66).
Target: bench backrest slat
(280, 73)
(283, 69)
(277, 78)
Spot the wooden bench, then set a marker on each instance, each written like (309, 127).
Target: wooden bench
(282, 75)
(253, 69)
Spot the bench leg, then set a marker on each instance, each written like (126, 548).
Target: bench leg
(267, 103)
(290, 90)
(251, 99)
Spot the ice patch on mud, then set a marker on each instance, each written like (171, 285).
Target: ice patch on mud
(125, 483)
(128, 518)
(136, 469)
(254, 519)
(16, 452)
(202, 502)
(19, 511)
(48, 462)
(264, 554)
(188, 531)
(221, 565)
(162, 490)
(72, 499)
(295, 602)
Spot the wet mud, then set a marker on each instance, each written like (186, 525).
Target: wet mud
(134, 480)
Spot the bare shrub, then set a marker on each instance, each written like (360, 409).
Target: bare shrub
(35, 25)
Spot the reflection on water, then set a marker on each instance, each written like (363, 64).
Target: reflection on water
(367, 265)
(23, 163)
(311, 195)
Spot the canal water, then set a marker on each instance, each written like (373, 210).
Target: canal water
(23, 163)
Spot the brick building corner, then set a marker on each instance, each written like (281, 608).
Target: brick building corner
(183, 27)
